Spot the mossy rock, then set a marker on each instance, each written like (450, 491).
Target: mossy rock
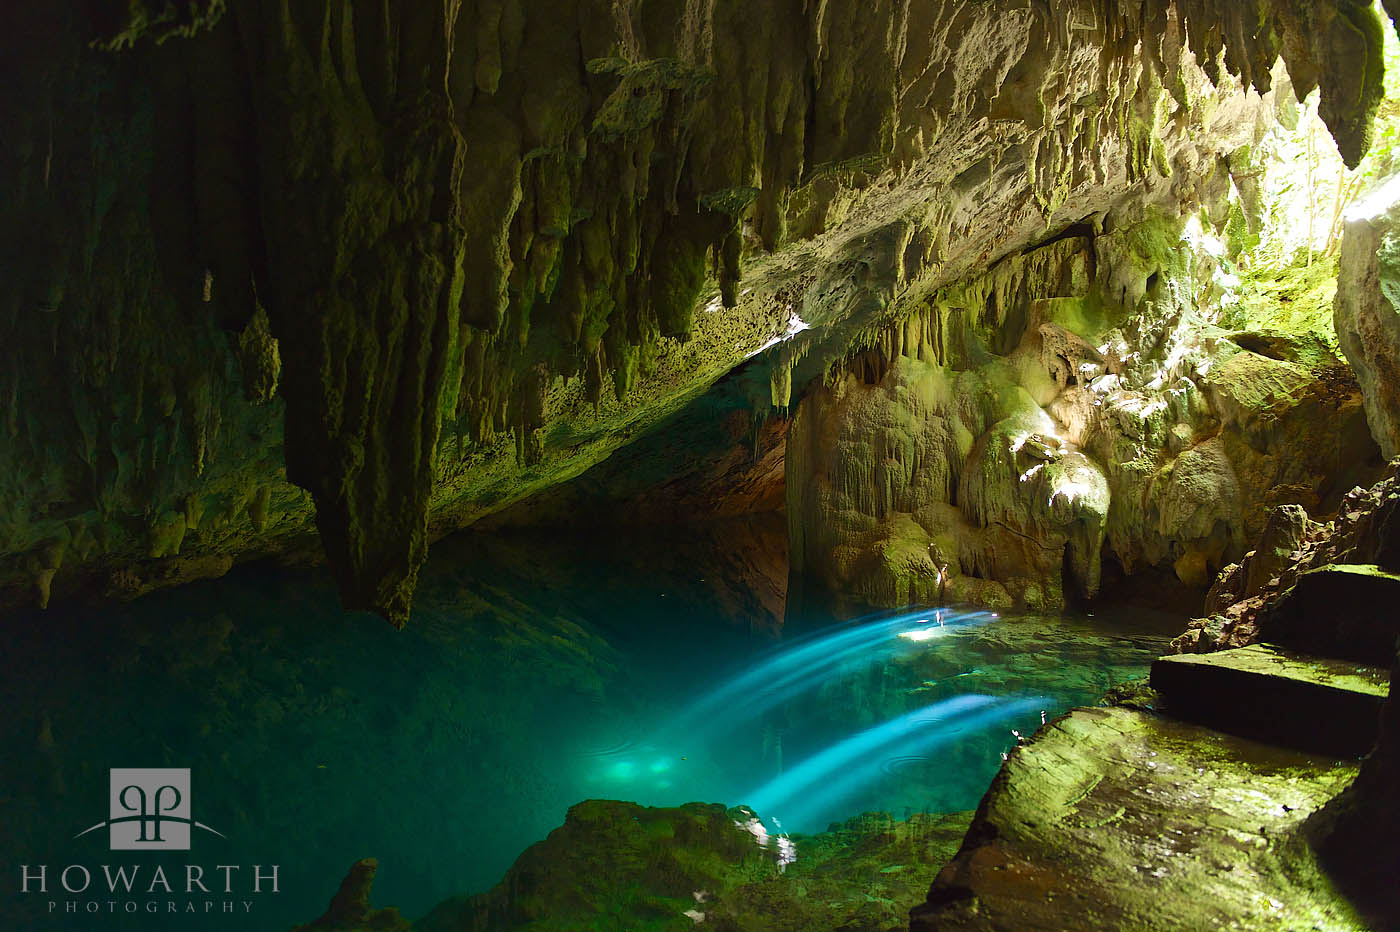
(616, 865)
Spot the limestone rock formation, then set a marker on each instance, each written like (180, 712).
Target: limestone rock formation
(466, 231)
(1367, 314)
(1333, 595)
(982, 455)
(1358, 834)
(1240, 605)
(350, 909)
(1127, 820)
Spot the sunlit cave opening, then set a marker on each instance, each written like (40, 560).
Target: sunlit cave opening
(543, 467)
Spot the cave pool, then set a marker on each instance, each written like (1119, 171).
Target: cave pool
(538, 670)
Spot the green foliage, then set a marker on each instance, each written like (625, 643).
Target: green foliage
(1294, 298)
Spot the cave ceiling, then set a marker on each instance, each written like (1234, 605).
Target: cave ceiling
(437, 236)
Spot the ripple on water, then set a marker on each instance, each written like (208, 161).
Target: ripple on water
(899, 765)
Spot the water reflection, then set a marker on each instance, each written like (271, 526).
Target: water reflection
(538, 671)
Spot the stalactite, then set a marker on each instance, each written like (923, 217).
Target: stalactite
(441, 207)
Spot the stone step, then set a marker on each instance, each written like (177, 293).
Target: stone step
(1351, 611)
(1116, 820)
(1273, 694)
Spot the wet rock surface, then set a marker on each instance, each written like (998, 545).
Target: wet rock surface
(1334, 596)
(1124, 819)
(1323, 705)
(1358, 833)
(615, 865)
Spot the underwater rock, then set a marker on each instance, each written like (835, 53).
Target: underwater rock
(350, 909)
(617, 865)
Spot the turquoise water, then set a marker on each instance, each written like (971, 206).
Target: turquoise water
(537, 671)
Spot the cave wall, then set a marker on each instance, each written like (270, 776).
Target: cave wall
(1076, 401)
(1367, 311)
(402, 264)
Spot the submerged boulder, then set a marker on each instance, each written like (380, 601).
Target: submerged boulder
(350, 909)
(617, 865)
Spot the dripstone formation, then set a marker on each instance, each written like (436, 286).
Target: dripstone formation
(406, 263)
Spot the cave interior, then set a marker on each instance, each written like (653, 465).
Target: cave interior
(618, 465)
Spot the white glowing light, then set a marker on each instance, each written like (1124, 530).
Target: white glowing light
(795, 326)
(1071, 491)
(1376, 203)
(755, 828)
(919, 635)
(1201, 239)
(787, 850)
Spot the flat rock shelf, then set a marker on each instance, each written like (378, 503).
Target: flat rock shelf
(1204, 821)
(1263, 691)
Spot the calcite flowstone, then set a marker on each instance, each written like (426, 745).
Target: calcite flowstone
(1007, 434)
